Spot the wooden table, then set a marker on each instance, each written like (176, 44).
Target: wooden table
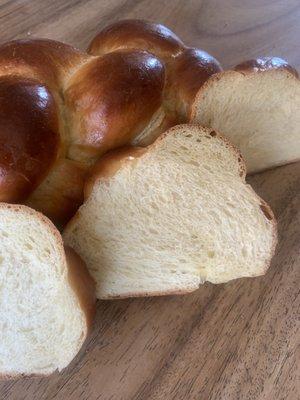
(235, 341)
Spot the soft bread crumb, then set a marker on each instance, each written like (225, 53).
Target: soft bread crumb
(175, 217)
(258, 112)
(42, 325)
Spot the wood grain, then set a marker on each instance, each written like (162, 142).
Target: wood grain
(238, 341)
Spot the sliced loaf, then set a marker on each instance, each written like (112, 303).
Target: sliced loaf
(47, 297)
(166, 218)
(257, 107)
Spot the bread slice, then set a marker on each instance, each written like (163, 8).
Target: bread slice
(164, 219)
(47, 297)
(259, 111)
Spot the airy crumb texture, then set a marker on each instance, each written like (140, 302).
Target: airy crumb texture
(258, 111)
(178, 215)
(42, 325)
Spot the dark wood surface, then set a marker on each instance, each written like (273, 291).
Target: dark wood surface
(238, 341)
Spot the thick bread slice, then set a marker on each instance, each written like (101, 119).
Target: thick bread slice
(47, 297)
(258, 110)
(164, 219)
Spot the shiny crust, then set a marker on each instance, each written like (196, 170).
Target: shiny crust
(190, 71)
(264, 64)
(76, 106)
(137, 34)
(79, 106)
(47, 60)
(61, 192)
(110, 108)
(32, 73)
(186, 68)
(29, 136)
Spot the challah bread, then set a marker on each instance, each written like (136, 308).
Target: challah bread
(166, 218)
(186, 68)
(257, 106)
(34, 137)
(62, 109)
(47, 296)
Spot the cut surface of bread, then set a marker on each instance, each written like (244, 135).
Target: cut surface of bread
(44, 314)
(258, 111)
(164, 219)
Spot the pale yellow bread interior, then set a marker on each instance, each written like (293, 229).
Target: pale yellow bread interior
(172, 218)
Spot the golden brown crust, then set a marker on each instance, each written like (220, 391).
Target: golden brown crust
(189, 72)
(82, 284)
(156, 127)
(264, 64)
(186, 68)
(61, 192)
(74, 107)
(112, 99)
(29, 136)
(137, 34)
(43, 59)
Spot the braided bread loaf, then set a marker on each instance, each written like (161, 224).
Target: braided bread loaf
(61, 109)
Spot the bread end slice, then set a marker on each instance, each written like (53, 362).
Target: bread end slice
(47, 296)
(257, 107)
(164, 219)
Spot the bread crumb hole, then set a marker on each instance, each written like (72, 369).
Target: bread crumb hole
(154, 231)
(153, 205)
(189, 135)
(198, 140)
(244, 252)
(28, 246)
(195, 163)
(213, 133)
(211, 254)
